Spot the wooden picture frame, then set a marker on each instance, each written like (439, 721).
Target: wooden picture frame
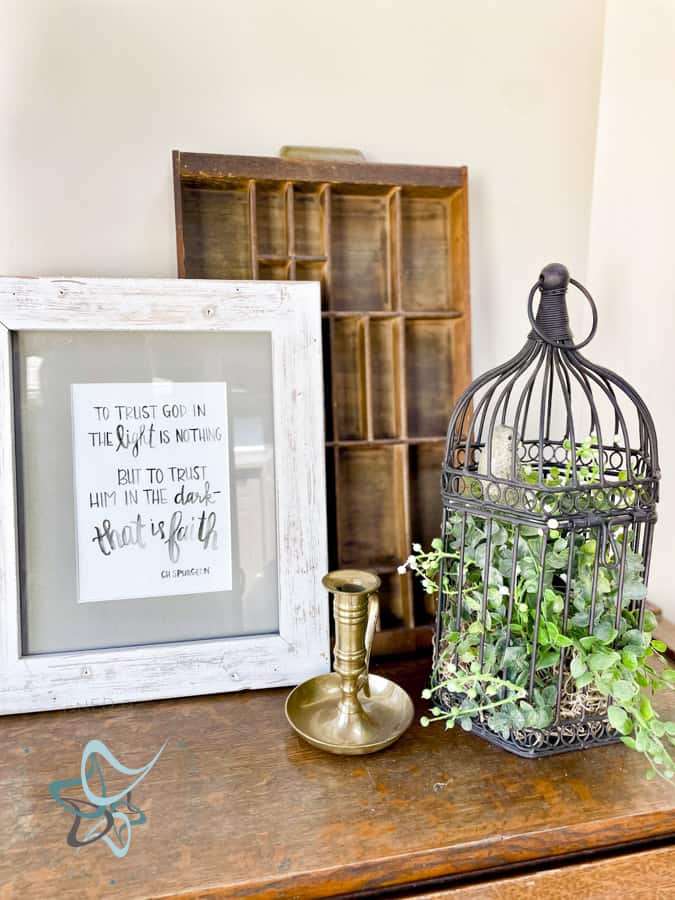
(290, 314)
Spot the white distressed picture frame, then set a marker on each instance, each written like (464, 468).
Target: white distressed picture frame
(290, 312)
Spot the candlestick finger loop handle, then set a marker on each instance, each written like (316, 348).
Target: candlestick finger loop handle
(373, 616)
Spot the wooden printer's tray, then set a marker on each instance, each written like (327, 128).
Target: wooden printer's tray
(389, 245)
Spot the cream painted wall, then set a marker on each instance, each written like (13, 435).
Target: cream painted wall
(95, 94)
(633, 232)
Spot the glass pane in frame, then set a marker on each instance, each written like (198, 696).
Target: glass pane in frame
(57, 615)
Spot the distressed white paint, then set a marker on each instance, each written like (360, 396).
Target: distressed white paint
(291, 314)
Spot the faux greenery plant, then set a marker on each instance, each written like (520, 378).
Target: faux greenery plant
(610, 669)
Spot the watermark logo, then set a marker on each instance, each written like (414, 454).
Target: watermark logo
(100, 816)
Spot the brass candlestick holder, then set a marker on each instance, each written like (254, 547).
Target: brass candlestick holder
(351, 711)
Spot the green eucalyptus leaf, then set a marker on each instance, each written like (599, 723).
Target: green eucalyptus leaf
(623, 690)
(650, 622)
(549, 695)
(629, 660)
(554, 600)
(542, 718)
(646, 709)
(553, 632)
(499, 534)
(602, 660)
(516, 653)
(547, 659)
(578, 667)
(604, 585)
(579, 603)
(543, 637)
(618, 719)
(562, 640)
(632, 636)
(471, 602)
(516, 715)
(605, 632)
(635, 590)
(604, 685)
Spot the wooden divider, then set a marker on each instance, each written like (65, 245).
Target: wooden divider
(389, 245)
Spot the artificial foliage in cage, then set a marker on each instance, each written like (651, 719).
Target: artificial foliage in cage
(549, 486)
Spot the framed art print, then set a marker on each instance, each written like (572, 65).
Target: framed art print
(163, 522)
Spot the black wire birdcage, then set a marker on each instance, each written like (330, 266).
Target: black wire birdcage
(549, 489)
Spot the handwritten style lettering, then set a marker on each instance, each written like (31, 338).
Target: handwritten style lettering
(207, 497)
(109, 538)
(134, 440)
(143, 411)
(201, 528)
(201, 435)
(152, 481)
(205, 533)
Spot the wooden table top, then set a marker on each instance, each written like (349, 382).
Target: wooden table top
(238, 806)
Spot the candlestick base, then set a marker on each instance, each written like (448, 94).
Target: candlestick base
(316, 712)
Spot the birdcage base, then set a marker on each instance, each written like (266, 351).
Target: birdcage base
(565, 736)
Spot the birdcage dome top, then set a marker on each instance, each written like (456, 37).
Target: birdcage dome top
(550, 434)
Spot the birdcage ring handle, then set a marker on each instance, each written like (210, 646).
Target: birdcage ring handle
(530, 313)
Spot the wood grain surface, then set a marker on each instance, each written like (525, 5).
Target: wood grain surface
(648, 875)
(208, 168)
(238, 806)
